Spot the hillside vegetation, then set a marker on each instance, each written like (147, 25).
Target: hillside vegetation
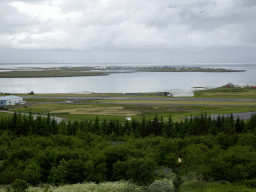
(147, 155)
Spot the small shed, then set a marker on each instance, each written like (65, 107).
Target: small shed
(11, 100)
(128, 118)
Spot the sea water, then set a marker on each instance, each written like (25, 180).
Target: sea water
(127, 82)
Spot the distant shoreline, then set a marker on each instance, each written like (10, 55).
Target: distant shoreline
(99, 71)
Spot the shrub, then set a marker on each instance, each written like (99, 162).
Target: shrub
(159, 185)
(191, 177)
(19, 186)
(250, 183)
(166, 173)
(3, 153)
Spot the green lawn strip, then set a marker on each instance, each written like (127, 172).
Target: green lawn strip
(209, 110)
(4, 114)
(43, 108)
(83, 117)
(148, 111)
(182, 102)
(177, 112)
(43, 100)
(227, 92)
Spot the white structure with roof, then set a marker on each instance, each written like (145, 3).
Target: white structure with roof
(11, 100)
(181, 93)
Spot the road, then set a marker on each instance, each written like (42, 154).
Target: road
(58, 119)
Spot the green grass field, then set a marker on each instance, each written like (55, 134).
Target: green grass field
(120, 109)
(227, 92)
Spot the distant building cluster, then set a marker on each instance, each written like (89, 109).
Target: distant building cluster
(51, 69)
(240, 85)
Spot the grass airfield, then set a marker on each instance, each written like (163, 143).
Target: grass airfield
(135, 107)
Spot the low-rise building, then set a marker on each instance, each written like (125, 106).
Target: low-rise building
(181, 93)
(11, 100)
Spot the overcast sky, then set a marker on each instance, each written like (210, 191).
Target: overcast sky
(128, 31)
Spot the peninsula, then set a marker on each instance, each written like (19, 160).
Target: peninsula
(98, 71)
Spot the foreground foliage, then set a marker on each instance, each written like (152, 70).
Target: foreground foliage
(61, 154)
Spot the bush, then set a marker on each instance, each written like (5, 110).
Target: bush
(166, 173)
(19, 185)
(3, 153)
(250, 183)
(3, 108)
(159, 186)
(191, 177)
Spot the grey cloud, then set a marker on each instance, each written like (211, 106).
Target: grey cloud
(94, 24)
(248, 3)
(170, 56)
(11, 22)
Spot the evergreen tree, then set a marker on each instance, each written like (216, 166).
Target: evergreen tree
(104, 127)
(143, 129)
(169, 128)
(54, 127)
(111, 127)
(69, 128)
(127, 127)
(155, 125)
(74, 127)
(149, 127)
(96, 126)
(118, 128)
(134, 126)
(41, 127)
(14, 122)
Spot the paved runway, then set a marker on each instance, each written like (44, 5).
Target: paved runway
(245, 115)
(140, 98)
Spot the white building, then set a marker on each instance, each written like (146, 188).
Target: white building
(11, 100)
(181, 93)
(246, 85)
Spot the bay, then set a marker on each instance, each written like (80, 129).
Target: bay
(128, 82)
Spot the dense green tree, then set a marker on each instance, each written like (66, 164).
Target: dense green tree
(32, 173)
(113, 155)
(104, 127)
(58, 175)
(141, 171)
(96, 126)
(143, 129)
(75, 171)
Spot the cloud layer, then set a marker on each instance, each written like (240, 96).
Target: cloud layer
(126, 24)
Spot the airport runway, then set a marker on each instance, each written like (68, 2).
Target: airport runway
(140, 98)
(245, 115)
